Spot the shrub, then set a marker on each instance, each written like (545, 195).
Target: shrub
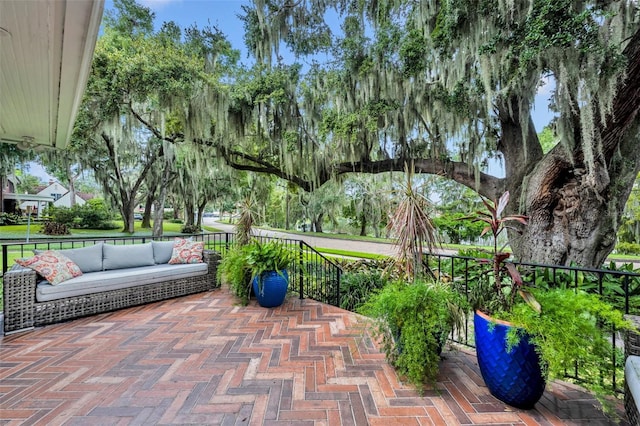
(457, 227)
(95, 214)
(191, 229)
(413, 321)
(628, 248)
(10, 219)
(357, 287)
(55, 228)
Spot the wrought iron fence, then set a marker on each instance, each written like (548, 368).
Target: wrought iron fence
(618, 285)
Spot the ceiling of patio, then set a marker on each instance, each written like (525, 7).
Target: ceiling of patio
(46, 47)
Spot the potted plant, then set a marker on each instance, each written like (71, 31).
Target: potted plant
(525, 336)
(414, 314)
(268, 263)
(413, 321)
(258, 266)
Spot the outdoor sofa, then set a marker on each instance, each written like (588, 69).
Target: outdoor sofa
(112, 277)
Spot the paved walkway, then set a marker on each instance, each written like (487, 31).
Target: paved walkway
(203, 360)
(315, 241)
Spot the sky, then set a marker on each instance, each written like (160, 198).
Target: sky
(219, 13)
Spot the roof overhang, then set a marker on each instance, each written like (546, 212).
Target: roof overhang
(27, 197)
(46, 48)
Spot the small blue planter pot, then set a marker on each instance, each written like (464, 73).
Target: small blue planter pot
(513, 377)
(274, 288)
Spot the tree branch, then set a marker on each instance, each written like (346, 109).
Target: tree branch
(485, 184)
(151, 128)
(260, 166)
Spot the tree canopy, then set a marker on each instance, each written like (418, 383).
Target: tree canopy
(446, 87)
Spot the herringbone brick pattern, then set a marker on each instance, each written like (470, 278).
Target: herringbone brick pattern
(203, 360)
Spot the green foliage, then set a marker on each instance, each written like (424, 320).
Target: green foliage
(357, 287)
(28, 184)
(243, 262)
(572, 330)
(269, 256)
(458, 227)
(628, 248)
(547, 139)
(94, 214)
(234, 271)
(9, 219)
(413, 321)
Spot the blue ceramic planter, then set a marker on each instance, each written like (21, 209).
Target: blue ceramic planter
(513, 377)
(274, 288)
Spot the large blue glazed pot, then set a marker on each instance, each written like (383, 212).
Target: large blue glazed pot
(513, 377)
(274, 287)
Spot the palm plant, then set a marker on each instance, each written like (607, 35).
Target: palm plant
(245, 223)
(413, 229)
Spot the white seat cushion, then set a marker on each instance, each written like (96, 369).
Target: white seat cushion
(95, 282)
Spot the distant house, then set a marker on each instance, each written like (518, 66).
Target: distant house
(61, 195)
(12, 202)
(54, 193)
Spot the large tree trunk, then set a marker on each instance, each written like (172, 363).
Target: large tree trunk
(146, 216)
(316, 225)
(574, 214)
(159, 203)
(127, 208)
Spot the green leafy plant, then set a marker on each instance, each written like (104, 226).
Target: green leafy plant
(357, 287)
(243, 262)
(569, 327)
(268, 256)
(572, 331)
(234, 271)
(413, 322)
(502, 283)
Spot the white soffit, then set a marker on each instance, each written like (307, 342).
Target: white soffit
(46, 48)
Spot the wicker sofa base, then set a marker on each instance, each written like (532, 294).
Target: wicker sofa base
(630, 407)
(22, 311)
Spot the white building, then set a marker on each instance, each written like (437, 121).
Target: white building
(54, 193)
(60, 194)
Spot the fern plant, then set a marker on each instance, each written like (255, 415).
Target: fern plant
(413, 321)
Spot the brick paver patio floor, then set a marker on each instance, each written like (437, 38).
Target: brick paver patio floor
(203, 360)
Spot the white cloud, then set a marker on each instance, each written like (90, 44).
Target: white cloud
(548, 84)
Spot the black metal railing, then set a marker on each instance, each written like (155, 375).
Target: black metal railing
(620, 287)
